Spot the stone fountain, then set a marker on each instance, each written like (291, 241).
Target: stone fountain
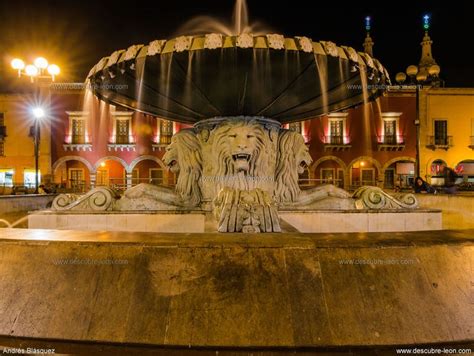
(237, 161)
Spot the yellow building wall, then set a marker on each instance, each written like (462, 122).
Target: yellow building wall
(18, 146)
(456, 105)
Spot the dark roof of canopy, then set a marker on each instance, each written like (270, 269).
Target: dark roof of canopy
(192, 78)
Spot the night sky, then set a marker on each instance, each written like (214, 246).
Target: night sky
(76, 34)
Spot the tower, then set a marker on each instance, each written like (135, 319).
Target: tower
(428, 70)
(368, 43)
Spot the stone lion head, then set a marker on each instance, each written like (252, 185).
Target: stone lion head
(243, 154)
(183, 156)
(292, 159)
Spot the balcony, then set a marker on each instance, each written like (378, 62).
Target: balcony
(3, 132)
(440, 143)
(471, 146)
(122, 143)
(336, 143)
(77, 143)
(391, 143)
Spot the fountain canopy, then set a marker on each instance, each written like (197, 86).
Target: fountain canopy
(191, 78)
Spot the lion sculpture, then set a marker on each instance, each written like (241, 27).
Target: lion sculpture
(183, 157)
(292, 160)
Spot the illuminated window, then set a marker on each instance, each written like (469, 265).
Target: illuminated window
(336, 129)
(29, 178)
(76, 178)
(6, 177)
(441, 132)
(122, 132)
(390, 129)
(78, 131)
(165, 131)
(102, 177)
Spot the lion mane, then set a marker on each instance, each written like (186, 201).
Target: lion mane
(286, 175)
(188, 185)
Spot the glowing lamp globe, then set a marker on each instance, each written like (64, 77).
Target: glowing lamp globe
(38, 113)
(17, 64)
(400, 77)
(412, 70)
(31, 70)
(41, 63)
(53, 69)
(434, 70)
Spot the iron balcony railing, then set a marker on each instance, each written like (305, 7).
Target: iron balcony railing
(391, 140)
(122, 140)
(336, 140)
(440, 141)
(78, 140)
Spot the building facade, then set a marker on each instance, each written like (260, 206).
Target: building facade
(447, 132)
(17, 161)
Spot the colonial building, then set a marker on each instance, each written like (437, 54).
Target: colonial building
(17, 162)
(97, 144)
(447, 132)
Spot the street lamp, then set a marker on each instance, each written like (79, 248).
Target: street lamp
(40, 69)
(418, 78)
(38, 114)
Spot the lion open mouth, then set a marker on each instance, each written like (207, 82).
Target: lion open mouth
(173, 166)
(302, 167)
(243, 156)
(241, 161)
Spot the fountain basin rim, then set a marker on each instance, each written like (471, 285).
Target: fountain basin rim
(199, 42)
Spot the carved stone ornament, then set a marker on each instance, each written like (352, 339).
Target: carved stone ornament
(132, 52)
(352, 53)
(305, 44)
(276, 41)
(155, 47)
(330, 48)
(114, 58)
(182, 43)
(213, 41)
(246, 211)
(244, 40)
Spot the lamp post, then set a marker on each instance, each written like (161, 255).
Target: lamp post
(38, 114)
(41, 74)
(418, 78)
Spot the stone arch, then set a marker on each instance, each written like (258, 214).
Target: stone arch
(397, 159)
(315, 164)
(112, 158)
(379, 174)
(336, 159)
(64, 159)
(430, 161)
(367, 158)
(144, 158)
